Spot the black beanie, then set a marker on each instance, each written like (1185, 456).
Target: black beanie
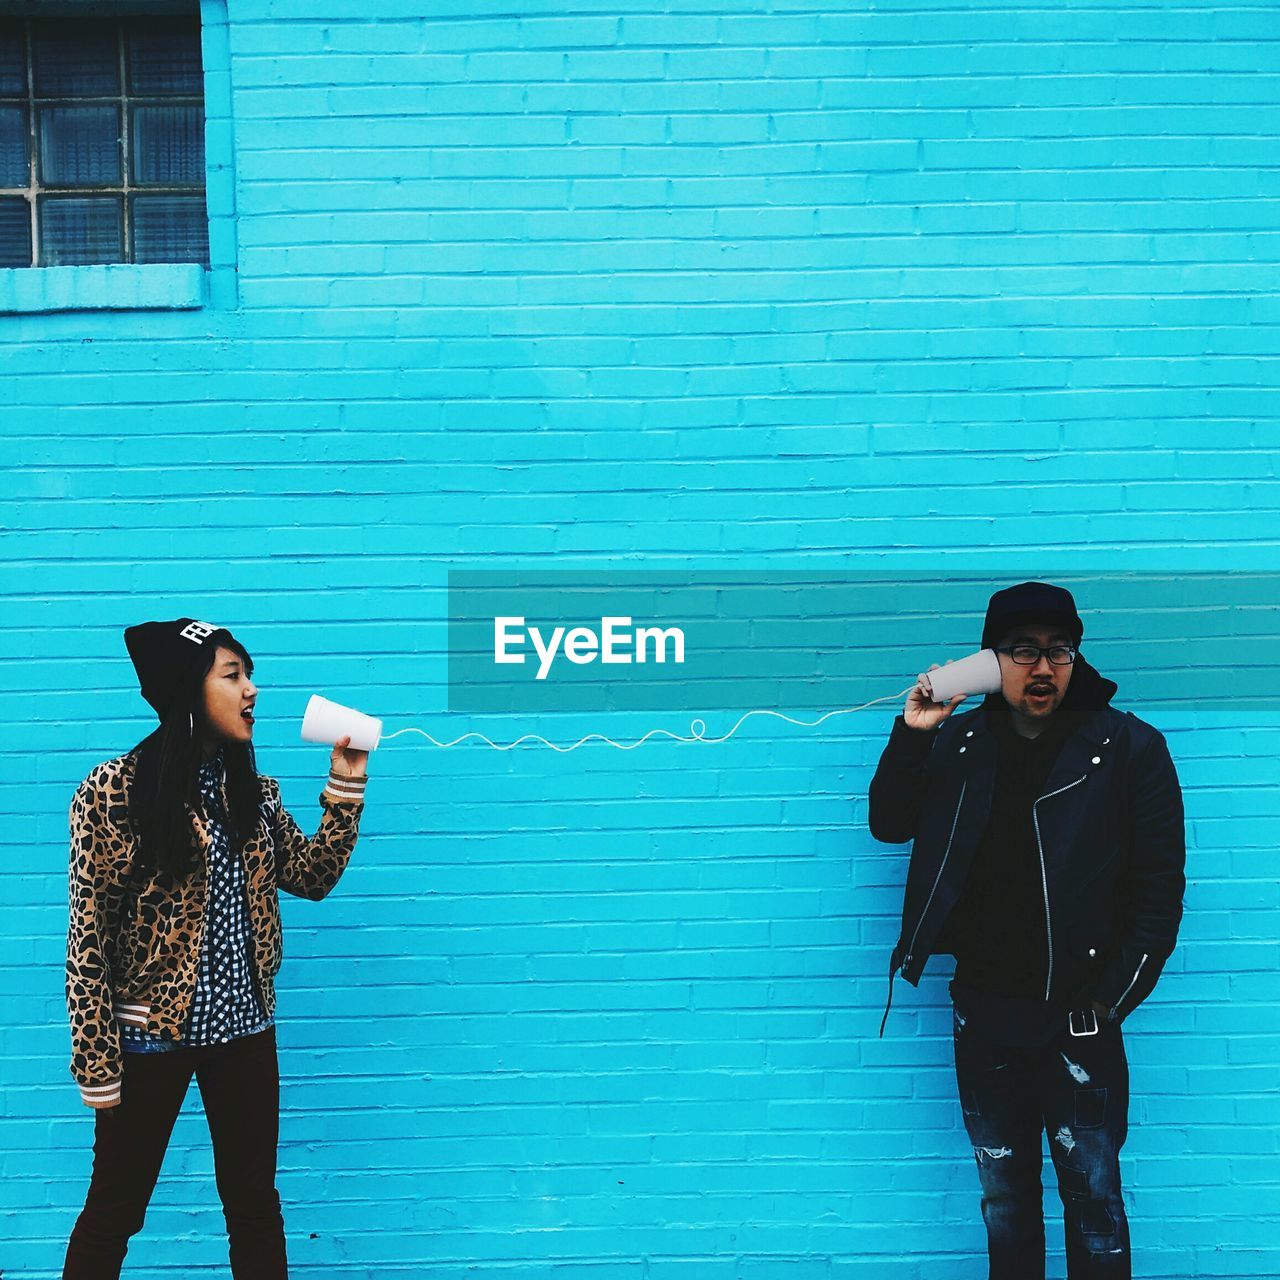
(167, 655)
(1030, 602)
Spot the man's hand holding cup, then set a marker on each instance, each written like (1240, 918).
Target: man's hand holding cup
(920, 711)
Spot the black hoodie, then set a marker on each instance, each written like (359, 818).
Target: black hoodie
(996, 930)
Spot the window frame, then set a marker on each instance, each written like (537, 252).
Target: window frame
(150, 286)
(39, 190)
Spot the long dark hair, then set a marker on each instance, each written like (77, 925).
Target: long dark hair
(167, 772)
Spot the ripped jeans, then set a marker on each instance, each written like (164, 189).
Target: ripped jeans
(1076, 1088)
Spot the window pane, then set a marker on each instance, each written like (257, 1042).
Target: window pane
(15, 232)
(168, 146)
(165, 60)
(80, 229)
(170, 229)
(13, 60)
(79, 145)
(13, 146)
(75, 60)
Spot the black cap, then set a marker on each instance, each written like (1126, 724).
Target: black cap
(1030, 602)
(167, 655)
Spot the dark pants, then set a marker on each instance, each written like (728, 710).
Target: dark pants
(1077, 1089)
(240, 1085)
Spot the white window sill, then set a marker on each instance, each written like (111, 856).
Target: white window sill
(117, 287)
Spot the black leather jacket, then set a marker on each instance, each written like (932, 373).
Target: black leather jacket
(1110, 832)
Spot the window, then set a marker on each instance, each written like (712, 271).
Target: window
(101, 142)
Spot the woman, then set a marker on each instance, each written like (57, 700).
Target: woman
(177, 850)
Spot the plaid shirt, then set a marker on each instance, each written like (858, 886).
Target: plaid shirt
(225, 1005)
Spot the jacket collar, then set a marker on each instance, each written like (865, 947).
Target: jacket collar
(1096, 729)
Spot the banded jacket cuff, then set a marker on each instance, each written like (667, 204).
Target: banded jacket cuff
(342, 788)
(99, 1096)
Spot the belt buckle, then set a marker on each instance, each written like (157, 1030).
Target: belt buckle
(1086, 1029)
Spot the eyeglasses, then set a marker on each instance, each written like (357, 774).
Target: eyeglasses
(1027, 655)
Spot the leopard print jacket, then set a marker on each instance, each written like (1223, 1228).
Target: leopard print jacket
(141, 970)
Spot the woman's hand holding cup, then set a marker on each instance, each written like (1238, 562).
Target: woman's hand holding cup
(346, 762)
(920, 711)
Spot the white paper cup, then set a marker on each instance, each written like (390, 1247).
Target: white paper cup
(978, 673)
(327, 721)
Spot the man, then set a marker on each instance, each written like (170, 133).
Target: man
(1048, 858)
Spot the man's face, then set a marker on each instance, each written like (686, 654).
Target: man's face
(1036, 691)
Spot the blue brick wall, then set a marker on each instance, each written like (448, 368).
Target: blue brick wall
(679, 285)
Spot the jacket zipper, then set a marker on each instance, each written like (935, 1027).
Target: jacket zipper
(1044, 878)
(938, 879)
(1129, 988)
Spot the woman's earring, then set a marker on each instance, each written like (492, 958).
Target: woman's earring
(191, 717)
